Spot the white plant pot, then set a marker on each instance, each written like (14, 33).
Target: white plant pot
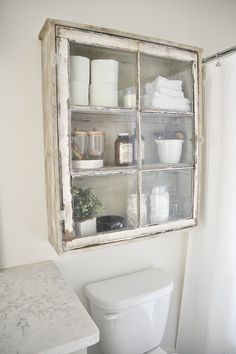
(86, 228)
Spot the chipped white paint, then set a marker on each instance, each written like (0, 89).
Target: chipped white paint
(64, 133)
(65, 34)
(40, 313)
(129, 234)
(167, 52)
(97, 39)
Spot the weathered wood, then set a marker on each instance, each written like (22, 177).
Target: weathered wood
(74, 25)
(64, 133)
(126, 235)
(50, 138)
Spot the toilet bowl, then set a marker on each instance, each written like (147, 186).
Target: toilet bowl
(131, 311)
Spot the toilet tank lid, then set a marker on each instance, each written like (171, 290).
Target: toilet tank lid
(129, 290)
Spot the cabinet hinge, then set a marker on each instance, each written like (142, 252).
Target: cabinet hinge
(61, 215)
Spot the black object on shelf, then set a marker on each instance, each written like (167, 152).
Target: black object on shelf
(109, 223)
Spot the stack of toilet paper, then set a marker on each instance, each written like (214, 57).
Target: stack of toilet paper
(79, 80)
(104, 82)
(165, 94)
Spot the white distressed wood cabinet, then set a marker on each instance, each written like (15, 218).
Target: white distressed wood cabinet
(152, 93)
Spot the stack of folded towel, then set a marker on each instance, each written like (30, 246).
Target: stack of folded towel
(165, 94)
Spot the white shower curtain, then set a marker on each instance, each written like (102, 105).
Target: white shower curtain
(208, 312)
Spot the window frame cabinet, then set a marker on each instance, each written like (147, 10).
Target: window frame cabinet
(57, 38)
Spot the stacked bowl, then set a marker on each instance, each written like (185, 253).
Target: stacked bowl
(79, 79)
(104, 82)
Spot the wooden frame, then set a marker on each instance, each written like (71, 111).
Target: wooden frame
(55, 36)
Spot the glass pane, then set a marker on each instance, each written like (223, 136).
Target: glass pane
(102, 76)
(108, 199)
(166, 84)
(103, 140)
(169, 195)
(167, 140)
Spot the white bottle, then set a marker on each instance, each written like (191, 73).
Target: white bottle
(159, 205)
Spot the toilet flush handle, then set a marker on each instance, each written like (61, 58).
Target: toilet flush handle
(112, 316)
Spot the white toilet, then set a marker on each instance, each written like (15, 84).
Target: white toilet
(131, 311)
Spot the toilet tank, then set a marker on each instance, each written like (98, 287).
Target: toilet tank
(131, 310)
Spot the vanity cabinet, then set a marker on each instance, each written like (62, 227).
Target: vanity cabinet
(122, 124)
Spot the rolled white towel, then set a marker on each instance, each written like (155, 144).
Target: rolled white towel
(161, 81)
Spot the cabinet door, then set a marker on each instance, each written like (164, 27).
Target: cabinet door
(108, 85)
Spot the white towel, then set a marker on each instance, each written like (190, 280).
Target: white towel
(170, 84)
(169, 92)
(170, 103)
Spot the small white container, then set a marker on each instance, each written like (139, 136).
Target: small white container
(104, 71)
(159, 205)
(86, 228)
(169, 150)
(130, 97)
(79, 68)
(103, 95)
(78, 92)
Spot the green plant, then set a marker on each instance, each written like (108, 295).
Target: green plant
(86, 204)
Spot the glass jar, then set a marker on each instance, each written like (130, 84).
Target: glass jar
(96, 144)
(123, 150)
(159, 205)
(130, 97)
(79, 140)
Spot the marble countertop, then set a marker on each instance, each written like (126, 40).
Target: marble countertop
(40, 313)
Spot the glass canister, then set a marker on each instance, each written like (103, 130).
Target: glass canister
(79, 141)
(96, 144)
(132, 206)
(123, 150)
(159, 204)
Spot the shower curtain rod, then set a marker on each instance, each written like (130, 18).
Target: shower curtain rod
(219, 54)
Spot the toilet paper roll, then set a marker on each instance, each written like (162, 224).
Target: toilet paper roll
(104, 95)
(79, 68)
(79, 92)
(104, 71)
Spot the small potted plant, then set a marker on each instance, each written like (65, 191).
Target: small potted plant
(86, 208)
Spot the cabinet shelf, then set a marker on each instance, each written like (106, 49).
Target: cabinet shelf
(128, 111)
(105, 171)
(166, 167)
(102, 110)
(167, 114)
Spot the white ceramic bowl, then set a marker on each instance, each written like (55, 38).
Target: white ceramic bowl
(169, 150)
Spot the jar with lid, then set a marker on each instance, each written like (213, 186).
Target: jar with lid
(134, 140)
(96, 143)
(79, 140)
(159, 204)
(123, 150)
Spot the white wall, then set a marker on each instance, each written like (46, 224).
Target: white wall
(23, 228)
